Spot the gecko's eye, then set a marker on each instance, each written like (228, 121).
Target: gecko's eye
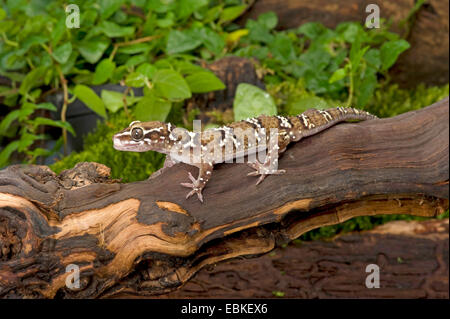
(137, 134)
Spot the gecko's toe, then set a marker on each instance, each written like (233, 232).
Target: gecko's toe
(192, 192)
(197, 191)
(194, 181)
(255, 173)
(200, 196)
(188, 185)
(261, 178)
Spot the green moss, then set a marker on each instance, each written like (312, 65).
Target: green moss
(293, 98)
(392, 100)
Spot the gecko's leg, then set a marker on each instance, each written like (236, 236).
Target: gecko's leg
(197, 185)
(168, 162)
(269, 167)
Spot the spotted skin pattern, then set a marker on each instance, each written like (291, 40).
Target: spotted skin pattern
(232, 142)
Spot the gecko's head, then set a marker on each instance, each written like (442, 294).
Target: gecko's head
(144, 136)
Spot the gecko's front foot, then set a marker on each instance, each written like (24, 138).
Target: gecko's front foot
(196, 186)
(262, 170)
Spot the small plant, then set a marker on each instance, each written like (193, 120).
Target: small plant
(140, 44)
(345, 63)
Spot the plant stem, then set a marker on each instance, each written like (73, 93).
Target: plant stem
(136, 41)
(9, 42)
(350, 90)
(64, 107)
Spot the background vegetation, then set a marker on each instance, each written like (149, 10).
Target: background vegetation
(159, 46)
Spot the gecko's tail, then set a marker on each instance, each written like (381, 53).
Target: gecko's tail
(313, 121)
(350, 113)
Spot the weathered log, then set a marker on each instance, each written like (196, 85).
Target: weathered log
(146, 238)
(425, 62)
(412, 257)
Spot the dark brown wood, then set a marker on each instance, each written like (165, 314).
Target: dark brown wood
(425, 62)
(146, 238)
(412, 257)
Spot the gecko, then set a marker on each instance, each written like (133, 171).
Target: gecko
(236, 141)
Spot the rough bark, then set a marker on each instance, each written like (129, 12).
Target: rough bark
(145, 238)
(425, 62)
(412, 257)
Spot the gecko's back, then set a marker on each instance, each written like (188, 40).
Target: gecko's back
(271, 134)
(251, 135)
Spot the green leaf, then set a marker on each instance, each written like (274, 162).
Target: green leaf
(311, 30)
(26, 140)
(68, 66)
(299, 106)
(46, 106)
(258, 32)
(373, 58)
(2, 14)
(135, 79)
(161, 6)
(90, 99)
(151, 108)
(212, 40)
(32, 79)
(251, 101)
(186, 68)
(108, 7)
(135, 48)
(187, 7)
(350, 31)
(167, 21)
(29, 42)
(58, 31)
(7, 120)
(366, 87)
(182, 41)
(113, 30)
(390, 51)
(339, 74)
(146, 69)
(268, 19)
(136, 60)
(231, 13)
(282, 48)
(62, 53)
(114, 100)
(103, 71)
(46, 121)
(202, 82)
(7, 151)
(93, 49)
(171, 85)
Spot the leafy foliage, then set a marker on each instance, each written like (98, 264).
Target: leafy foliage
(138, 43)
(335, 64)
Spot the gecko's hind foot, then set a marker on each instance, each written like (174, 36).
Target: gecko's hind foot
(262, 171)
(196, 188)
